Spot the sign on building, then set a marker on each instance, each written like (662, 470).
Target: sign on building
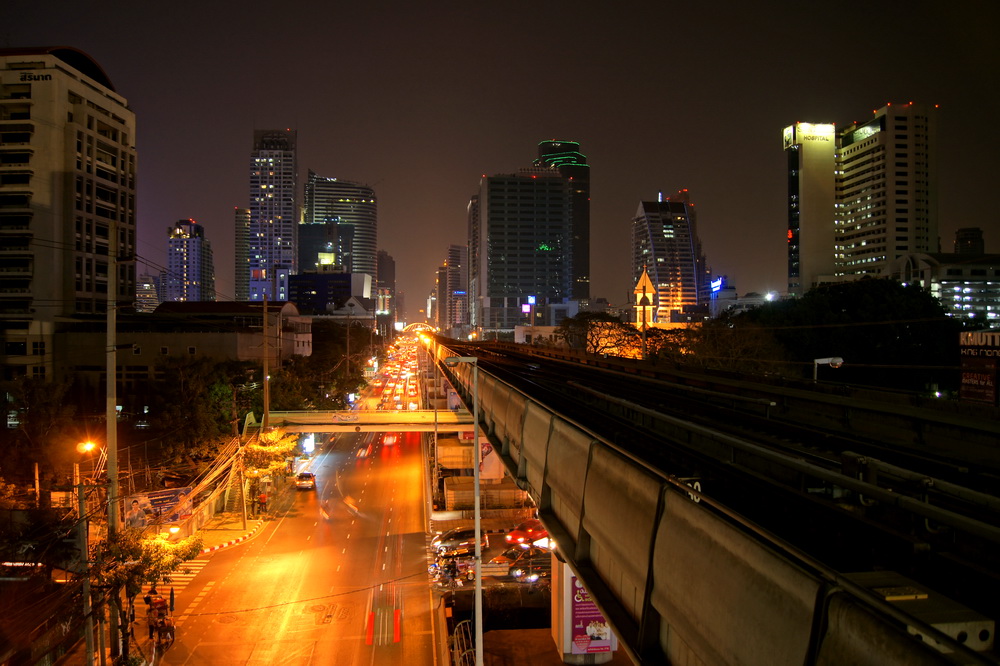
(980, 351)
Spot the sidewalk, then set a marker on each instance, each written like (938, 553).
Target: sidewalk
(226, 529)
(222, 531)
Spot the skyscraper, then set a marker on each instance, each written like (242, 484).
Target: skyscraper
(811, 151)
(190, 270)
(340, 226)
(241, 221)
(886, 188)
(665, 244)
(522, 243)
(451, 291)
(881, 189)
(273, 229)
(386, 303)
(572, 164)
(67, 199)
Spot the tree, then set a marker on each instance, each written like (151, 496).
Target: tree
(596, 333)
(45, 423)
(193, 405)
(875, 325)
(132, 559)
(748, 348)
(267, 455)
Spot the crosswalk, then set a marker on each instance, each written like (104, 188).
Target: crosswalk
(180, 579)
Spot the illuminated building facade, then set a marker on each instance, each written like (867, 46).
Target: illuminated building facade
(190, 272)
(241, 222)
(339, 227)
(966, 281)
(386, 303)
(522, 242)
(147, 293)
(810, 150)
(862, 197)
(451, 292)
(272, 242)
(67, 200)
(665, 244)
(572, 164)
(886, 188)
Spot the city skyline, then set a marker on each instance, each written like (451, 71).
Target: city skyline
(445, 104)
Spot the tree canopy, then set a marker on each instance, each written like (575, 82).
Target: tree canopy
(888, 334)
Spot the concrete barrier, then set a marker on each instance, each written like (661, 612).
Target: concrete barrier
(730, 599)
(537, 424)
(619, 513)
(565, 469)
(854, 635)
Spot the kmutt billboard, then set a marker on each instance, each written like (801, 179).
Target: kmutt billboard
(980, 351)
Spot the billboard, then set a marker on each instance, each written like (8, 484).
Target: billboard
(980, 351)
(589, 632)
(157, 507)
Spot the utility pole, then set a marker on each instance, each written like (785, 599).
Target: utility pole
(265, 421)
(111, 419)
(88, 618)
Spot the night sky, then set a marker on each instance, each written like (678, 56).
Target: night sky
(419, 100)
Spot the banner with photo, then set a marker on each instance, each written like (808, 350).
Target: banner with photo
(157, 507)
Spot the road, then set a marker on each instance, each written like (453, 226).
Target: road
(340, 577)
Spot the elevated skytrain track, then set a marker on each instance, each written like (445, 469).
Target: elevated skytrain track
(860, 481)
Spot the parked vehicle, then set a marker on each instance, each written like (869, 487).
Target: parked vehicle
(531, 571)
(527, 532)
(460, 541)
(519, 553)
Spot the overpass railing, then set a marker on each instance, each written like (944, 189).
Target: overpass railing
(681, 578)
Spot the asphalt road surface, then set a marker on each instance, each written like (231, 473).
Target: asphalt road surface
(340, 577)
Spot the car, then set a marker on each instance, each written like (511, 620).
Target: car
(530, 571)
(459, 541)
(519, 553)
(305, 481)
(527, 532)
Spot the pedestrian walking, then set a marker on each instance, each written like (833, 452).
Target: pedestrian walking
(262, 500)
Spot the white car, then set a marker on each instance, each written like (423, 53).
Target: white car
(305, 481)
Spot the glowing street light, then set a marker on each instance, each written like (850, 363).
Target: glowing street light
(832, 361)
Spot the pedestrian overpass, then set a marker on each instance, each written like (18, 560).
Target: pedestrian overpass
(367, 420)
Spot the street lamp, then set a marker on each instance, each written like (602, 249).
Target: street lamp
(451, 361)
(84, 545)
(832, 361)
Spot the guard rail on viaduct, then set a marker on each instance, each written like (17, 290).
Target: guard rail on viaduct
(681, 579)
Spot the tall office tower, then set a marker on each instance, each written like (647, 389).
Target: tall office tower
(886, 188)
(572, 164)
(273, 238)
(665, 244)
(386, 305)
(521, 243)
(451, 289)
(67, 199)
(190, 271)
(340, 226)
(810, 150)
(241, 222)
(969, 240)
(474, 263)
